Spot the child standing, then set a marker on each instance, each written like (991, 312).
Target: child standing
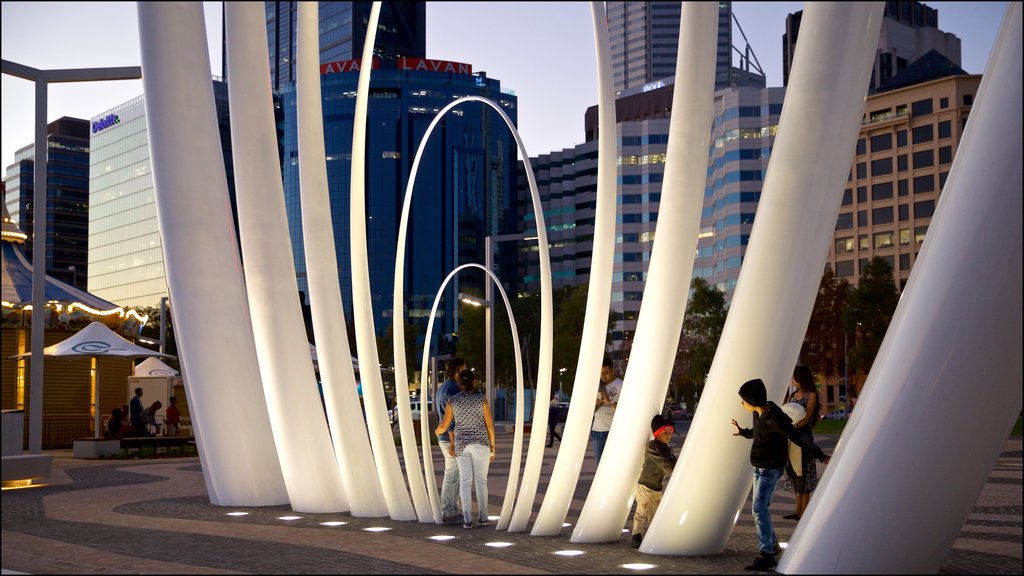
(658, 464)
(772, 431)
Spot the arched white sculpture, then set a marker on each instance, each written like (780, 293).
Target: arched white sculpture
(517, 445)
(951, 354)
(581, 408)
(202, 263)
(348, 433)
(779, 279)
(395, 493)
(661, 313)
(398, 303)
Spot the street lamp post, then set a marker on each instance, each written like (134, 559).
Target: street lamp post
(74, 275)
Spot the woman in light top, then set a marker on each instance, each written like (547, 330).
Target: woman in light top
(474, 445)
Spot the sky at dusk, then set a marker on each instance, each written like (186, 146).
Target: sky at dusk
(543, 51)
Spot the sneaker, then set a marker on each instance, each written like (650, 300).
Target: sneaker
(762, 562)
(484, 522)
(636, 540)
(467, 524)
(777, 549)
(791, 517)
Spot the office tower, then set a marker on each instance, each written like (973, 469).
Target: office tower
(908, 139)
(463, 190)
(909, 31)
(645, 39)
(126, 263)
(67, 196)
(401, 32)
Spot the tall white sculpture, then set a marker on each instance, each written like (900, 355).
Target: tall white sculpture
(203, 268)
(350, 440)
(661, 313)
(951, 355)
(289, 383)
(395, 493)
(398, 303)
(581, 408)
(778, 283)
(517, 446)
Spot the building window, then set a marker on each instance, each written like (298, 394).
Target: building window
(881, 191)
(904, 262)
(860, 147)
(905, 237)
(862, 218)
(924, 159)
(863, 243)
(942, 180)
(923, 134)
(904, 210)
(862, 265)
(945, 129)
(883, 240)
(924, 209)
(903, 187)
(968, 99)
(881, 215)
(862, 170)
(881, 167)
(845, 246)
(919, 233)
(847, 197)
(943, 103)
(924, 183)
(862, 194)
(901, 163)
(921, 107)
(881, 142)
(945, 154)
(901, 138)
(844, 269)
(845, 221)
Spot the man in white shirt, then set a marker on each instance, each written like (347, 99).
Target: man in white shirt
(607, 400)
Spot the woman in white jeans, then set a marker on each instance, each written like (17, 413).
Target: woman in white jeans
(474, 445)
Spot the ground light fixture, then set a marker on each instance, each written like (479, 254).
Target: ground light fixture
(333, 523)
(498, 544)
(289, 517)
(442, 537)
(377, 529)
(639, 566)
(238, 514)
(569, 552)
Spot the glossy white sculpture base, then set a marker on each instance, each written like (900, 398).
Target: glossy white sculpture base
(945, 388)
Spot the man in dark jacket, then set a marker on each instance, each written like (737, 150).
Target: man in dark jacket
(658, 464)
(772, 431)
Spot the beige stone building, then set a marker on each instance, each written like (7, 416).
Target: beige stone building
(907, 143)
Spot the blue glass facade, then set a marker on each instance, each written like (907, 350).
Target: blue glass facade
(464, 188)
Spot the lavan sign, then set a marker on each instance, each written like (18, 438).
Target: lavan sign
(105, 123)
(400, 64)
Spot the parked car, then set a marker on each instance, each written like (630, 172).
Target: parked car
(679, 412)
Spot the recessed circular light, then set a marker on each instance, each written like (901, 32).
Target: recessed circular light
(638, 566)
(377, 529)
(442, 537)
(289, 517)
(333, 523)
(570, 552)
(238, 513)
(499, 544)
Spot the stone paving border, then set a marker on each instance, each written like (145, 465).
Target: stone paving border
(153, 516)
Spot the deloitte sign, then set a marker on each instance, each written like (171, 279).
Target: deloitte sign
(105, 123)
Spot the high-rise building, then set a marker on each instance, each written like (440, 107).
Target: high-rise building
(908, 139)
(401, 32)
(67, 196)
(909, 31)
(645, 38)
(126, 262)
(464, 188)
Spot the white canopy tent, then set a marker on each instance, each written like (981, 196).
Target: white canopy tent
(93, 341)
(152, 366)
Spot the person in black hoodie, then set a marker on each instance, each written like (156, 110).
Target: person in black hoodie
(772, 431)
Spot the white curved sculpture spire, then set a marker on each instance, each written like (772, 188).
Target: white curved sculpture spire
(951, 354)
(289, 383)
(202, 263)
(664, 303)
(398, 303)
(592, 344)
(779, 279)
(348, 433)
(395, 493)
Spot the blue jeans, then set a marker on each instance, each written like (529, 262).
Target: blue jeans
(599, 439)
(473, 464)
(765, 480)
(450, 484)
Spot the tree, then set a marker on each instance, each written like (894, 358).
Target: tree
(871, 306)
(702, 329)
(823, 346)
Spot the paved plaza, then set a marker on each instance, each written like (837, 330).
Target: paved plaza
(154, 517)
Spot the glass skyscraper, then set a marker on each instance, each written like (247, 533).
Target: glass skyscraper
(464, 189)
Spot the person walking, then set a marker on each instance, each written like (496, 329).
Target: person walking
(802, 484)
(446, 442)
(771, 433)
(553, 421)
(474, 445)
(607, 399)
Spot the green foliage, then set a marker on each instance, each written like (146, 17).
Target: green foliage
(823, 346)
(702, 329)
(570, 313)
(870, 308)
